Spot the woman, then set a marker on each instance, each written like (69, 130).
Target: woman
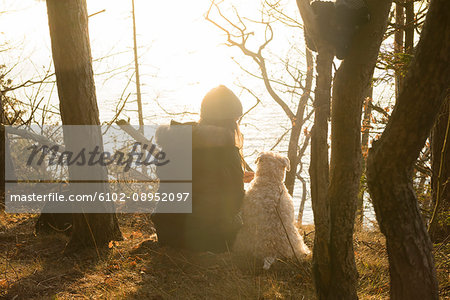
(217, 179)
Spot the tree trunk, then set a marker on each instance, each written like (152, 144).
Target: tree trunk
(2, 154)
(392, 158)
(398, 42)
(334, 210)
(68, 22)
(439, 227)
(291, 175)
(6, 162)
(297, 124)
(364, 148)
(351, 83)
(136, 70)
(319, 173)
(301, 208)
(409, 27)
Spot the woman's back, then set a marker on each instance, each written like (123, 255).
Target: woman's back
(217, 193)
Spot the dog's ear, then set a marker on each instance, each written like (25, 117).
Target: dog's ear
(286, 163)
(258, 158)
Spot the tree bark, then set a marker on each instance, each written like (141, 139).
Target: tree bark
(391, 161)
(301, 208)
(409, 27)
(68, 23)
(398, 42)
(319, 167)
(6, 162)
(334, 210)
(136, 70)
(351, 83)
(297, 124)
(292, 154)
(2, 153)
(439, 228)
(319, 173)
(365, 149)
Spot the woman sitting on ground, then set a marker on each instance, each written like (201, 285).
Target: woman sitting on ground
(217, 179)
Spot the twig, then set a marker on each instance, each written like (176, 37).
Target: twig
(135, 134)
(96, 13)
(35, 137)
(251, 108)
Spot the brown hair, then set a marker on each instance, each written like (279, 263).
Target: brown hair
(221, 107)
(230, 124)
(220, 103)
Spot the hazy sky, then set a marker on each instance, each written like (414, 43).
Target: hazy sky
(181, 54)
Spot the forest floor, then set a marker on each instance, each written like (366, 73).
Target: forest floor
(34, 267)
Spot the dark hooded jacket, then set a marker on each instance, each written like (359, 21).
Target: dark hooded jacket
(217, 193)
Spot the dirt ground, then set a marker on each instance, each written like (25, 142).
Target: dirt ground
(34, 267)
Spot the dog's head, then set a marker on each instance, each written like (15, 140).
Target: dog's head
(272, 164)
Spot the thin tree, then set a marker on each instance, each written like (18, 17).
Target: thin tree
(319, 168)
(398, 41)
(335, 269)
(439, 227)
(136, 71)
(365, 130)
(409, 27)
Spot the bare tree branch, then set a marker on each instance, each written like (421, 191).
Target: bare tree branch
(256, 56)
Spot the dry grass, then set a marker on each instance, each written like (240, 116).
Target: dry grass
(137, 268)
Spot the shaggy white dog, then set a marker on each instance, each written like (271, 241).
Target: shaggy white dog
(269, 230)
